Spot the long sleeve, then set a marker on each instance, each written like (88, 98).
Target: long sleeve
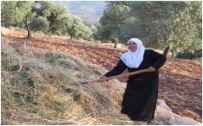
(118, 69)
(158, 59)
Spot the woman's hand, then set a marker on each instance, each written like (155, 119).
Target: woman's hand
(151, 69)
(102, 78)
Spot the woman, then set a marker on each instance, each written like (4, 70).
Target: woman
(140, 97)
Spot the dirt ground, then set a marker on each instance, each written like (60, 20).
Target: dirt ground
(180, 80)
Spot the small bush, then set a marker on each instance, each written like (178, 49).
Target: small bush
(189, 55)
(52, 57)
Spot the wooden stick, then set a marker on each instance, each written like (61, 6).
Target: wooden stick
(119, 76)
(165, 52)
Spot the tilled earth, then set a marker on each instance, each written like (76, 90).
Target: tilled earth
(180, 80)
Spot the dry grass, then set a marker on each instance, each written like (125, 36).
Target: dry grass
(44, 88)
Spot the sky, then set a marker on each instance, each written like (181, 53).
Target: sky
(85, 9)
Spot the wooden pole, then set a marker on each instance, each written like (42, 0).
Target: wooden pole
(165, 52)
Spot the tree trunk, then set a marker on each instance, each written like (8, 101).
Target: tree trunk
(71, 33)
(115, 45)
(29, 36)
(173, 54)
(71, 36)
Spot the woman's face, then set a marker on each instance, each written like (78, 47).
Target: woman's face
(132, 46)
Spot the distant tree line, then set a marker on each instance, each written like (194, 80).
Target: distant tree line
(43, 16)
(157, 23)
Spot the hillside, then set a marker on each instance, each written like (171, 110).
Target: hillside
(55, 93)
(90, 11)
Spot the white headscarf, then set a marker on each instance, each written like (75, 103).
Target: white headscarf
(134, 59)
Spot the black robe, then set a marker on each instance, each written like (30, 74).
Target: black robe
(140, 97)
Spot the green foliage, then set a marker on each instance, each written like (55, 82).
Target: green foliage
(40, 24)
(43, 8)
(13, 13)
(57, 19)
(189, 55)
(43, 16)
(186, 32)
(76, 28)
(158, 24)
(17, 14)
(8, 12)
(115, 15)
